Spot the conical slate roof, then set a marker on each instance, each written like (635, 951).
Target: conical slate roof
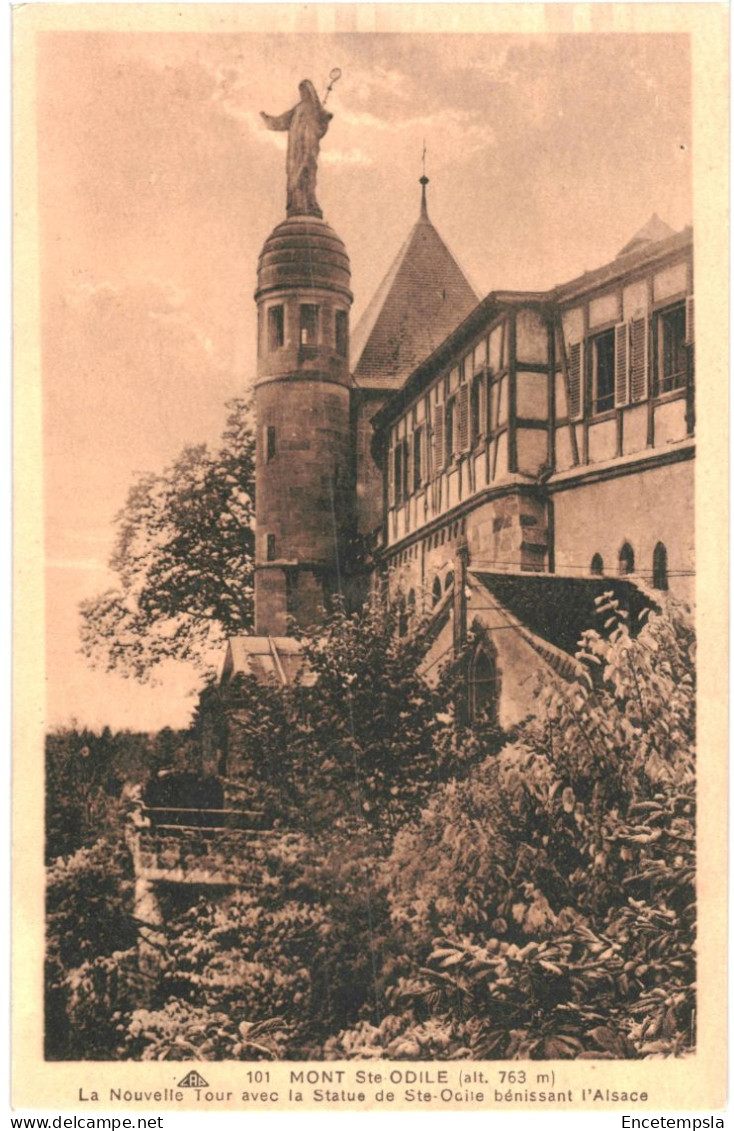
(654, 230)
(423, 297)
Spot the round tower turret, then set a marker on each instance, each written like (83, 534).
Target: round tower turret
(302, 399)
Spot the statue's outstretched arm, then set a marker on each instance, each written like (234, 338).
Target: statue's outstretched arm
(282, 122)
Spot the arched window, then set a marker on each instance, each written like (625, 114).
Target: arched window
(626, 559)
(402, 617)
(436, 591)
(449, 581)
(483, 685)
(597, 565)
(660, 567)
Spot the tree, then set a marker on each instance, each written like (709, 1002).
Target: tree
(360, 737)
(183, 558)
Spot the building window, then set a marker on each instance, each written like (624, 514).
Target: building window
(276, 328)
(450, 428)
(448, 582)
(406, 469)
(411, 604)
(626, 559)
(269, 444)
(476, 409)
(436, 591)
(402, 617)
(597, 565)
(309, 324)
(291, 587)
(670, 346)
(602, 360)
(341, 333)
(418, 459)
(398, 457)
(270, 547)
(660, 567)
(483, 686)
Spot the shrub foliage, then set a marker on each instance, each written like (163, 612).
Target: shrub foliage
(430, 900)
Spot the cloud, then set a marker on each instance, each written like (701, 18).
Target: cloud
(131, 369)
(373, 84)
(84, 564)
(451, 130)
(161, 295)
(354, 156)
(97, 534)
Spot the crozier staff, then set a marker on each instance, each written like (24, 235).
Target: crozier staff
(306, 124)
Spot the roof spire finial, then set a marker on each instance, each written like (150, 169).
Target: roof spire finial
(423, 182)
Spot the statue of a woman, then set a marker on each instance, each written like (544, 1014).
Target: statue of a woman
(306, 124)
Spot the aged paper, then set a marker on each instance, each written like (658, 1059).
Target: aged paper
(135, 223)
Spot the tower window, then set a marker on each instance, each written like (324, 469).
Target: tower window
(341, 333)
(670, 344)
(597, 565)
(626, 559)
(309, 324)
(660, 567)
(276, 328)
(602, 358)
(269, 444)
(270, 547)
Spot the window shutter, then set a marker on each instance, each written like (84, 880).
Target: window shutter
(438, 440)
(638, 359)
(463, 414)
(621, 364)
(690, 323)
(391, 477)
(575, 380)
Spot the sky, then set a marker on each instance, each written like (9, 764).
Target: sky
(158, 185)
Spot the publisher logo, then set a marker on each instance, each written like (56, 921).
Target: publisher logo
(193, 1079)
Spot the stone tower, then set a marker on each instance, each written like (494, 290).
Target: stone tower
(302, 397)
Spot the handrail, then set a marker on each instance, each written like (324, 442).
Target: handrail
(199, 809)
(174, 816)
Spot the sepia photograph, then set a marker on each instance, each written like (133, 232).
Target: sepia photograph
(366, 414)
